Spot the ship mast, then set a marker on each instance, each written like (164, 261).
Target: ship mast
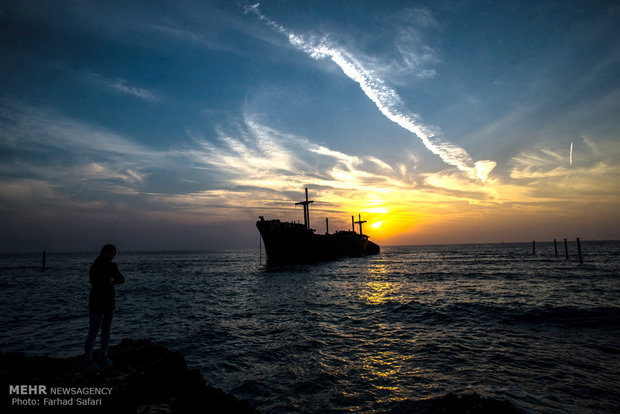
(360, 223)
(306, 205)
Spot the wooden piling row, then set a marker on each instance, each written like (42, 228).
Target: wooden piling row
(555, 248)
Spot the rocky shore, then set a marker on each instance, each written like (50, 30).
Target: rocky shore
(149, 378)
(145, 378)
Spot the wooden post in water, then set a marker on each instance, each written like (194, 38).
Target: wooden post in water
(555, 246)
(43, 265)
(326, 225)
(566, 248)
(579, 251)
(533, 247)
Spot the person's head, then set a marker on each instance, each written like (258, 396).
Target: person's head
(108, 252)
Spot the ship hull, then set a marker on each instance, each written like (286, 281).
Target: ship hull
(292, 243)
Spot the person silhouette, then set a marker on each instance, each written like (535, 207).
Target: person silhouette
(103, 275)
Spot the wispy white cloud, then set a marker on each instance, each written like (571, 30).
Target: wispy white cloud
(416, 55)
(181, 32)
(70, 155)
(122, 86)
(60, 164)
(385, 98)
(259, 156)
(546, 173)
(29, 126)
(544, 162)
(73, 157)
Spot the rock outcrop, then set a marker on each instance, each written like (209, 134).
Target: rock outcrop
(145, 378)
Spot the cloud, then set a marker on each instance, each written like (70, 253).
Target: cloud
(415, 54)
(385, 98)
(260, 165)
(73, 157)
(77, 161)
(55, 165)
(122, 86)
(83, 161)
(40, 130)
(257, 154)
(575, 159)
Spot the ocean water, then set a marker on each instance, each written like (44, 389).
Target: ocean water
(355, 335)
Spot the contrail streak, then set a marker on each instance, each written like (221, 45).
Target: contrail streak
(570, 156)
(385, 98)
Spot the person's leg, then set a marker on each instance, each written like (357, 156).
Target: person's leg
(95, 324)
(106, 326)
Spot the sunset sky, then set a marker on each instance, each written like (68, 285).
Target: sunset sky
(174, 125)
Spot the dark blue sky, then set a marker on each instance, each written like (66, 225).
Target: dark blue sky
(173, 125)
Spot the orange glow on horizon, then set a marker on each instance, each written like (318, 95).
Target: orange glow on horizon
(439, 208)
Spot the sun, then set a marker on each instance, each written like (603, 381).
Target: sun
(376, 225)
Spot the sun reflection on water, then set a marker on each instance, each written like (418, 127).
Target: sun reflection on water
(380, 292)
(385, 372)
(380, 289)
(382, 367)
(388, 353)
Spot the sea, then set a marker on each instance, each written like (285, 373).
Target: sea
(355, 335)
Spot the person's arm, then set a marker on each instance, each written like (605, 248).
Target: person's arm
(118, 278)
